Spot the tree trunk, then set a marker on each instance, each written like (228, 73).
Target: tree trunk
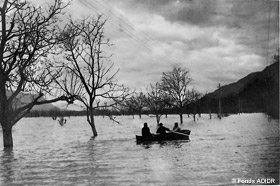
(199, 109)
(194, 113)
(158, 119)
(181, 112)
(7, 137)
(181, 118)
(91, 122)
(5, 120)
(93, 126)
(93, 129)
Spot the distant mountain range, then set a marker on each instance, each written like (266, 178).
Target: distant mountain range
(25, 98)
(45, 107)
(257, 92)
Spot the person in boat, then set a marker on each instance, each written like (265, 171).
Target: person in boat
(146, 131)
(162, 129)
(176, 128)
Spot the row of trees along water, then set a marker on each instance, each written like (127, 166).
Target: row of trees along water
(171, 95)
(46, 56)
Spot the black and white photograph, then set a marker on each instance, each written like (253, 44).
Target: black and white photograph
(139, 92)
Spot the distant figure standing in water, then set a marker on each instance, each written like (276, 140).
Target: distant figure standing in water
(146, 131)
(176, 128)
(62, 121)
(162, 130)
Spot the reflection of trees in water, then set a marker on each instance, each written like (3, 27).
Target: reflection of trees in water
(7, 166)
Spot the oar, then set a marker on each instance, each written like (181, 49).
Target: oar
(180, 133)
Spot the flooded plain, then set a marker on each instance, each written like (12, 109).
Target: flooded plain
(220, 152)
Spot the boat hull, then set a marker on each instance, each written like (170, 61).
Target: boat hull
(167, 137)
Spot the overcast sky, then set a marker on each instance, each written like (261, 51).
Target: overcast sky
(218, 41)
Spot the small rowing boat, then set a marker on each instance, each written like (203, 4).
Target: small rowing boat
(182, 135)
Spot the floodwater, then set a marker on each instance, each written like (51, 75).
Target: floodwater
(220, 152)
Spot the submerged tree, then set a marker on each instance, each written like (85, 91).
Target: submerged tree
(135, 104)
(93, 79)
(194, 97)
(28, 35)
(175, 84)
(155, 101)
(139, 101)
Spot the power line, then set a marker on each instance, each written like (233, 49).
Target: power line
(268, 33)
(144, 35)
(272, 39)
(142, 38)
(114, 24)
(276, 31)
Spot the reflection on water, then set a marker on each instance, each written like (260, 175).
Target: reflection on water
(175, 144)
(7, 160)
(239, 146)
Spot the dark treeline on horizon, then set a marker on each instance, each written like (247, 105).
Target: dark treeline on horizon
(107, 112)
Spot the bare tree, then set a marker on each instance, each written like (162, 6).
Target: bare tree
(136, 103)
(194, 97)
(140, 100)
(130, 105)
(28, 36)
(155, 101)
(89, 67)
(175, 84)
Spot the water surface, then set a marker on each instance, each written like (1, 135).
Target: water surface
(239, 146)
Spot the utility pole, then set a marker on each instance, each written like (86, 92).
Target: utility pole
(220, 107)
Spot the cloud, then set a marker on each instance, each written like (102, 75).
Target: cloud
(219, 41)
(214, 53)
(255, 21)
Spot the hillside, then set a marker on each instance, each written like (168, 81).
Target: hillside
(234, 88)
(45, 107)
(257, 92)
(25, 98)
